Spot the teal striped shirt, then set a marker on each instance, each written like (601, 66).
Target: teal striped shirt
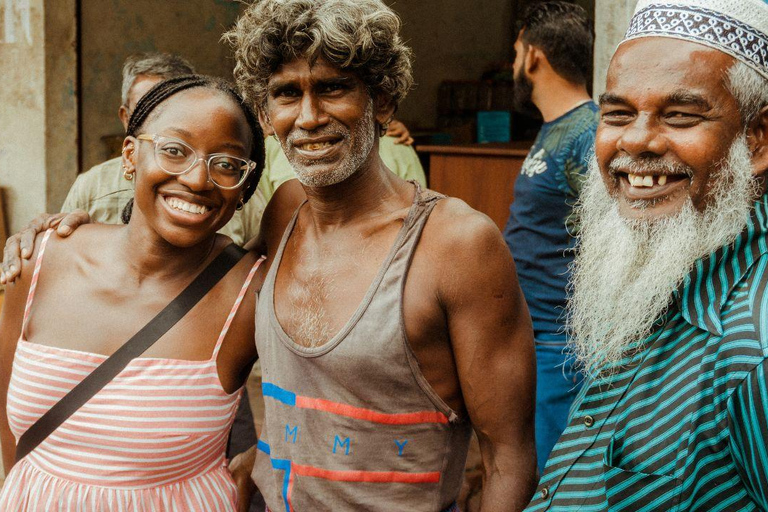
(683, 424)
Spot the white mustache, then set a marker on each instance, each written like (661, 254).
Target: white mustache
(629, 165)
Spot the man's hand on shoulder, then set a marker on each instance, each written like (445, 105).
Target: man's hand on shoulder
(22, 244)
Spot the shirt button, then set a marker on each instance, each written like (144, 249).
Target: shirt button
(544, 492)
(589, 421)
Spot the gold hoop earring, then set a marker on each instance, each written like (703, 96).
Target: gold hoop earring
(240, 204)
(128, 175)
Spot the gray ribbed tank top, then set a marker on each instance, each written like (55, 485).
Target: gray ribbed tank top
(353, 425)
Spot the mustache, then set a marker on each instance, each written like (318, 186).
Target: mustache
(641, 165)
(331, 131)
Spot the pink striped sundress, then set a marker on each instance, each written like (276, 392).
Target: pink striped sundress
(153, 439)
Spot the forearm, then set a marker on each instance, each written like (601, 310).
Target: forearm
(509, 480)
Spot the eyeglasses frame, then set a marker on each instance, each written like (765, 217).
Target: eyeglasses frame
(154, 138)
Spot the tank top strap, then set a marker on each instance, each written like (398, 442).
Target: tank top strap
(424, 202)
(236, 306)
(35, 278)
(271, 275)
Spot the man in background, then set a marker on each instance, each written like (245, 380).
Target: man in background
(552, 63)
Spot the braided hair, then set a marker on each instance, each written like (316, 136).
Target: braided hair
(167, 88)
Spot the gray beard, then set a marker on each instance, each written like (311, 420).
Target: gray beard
(362, 134)
(626, 271)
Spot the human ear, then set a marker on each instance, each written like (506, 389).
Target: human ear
(266, 124)
(129, 155)
(757, 137)
(122, 113)
(385, 109)
(532, 59)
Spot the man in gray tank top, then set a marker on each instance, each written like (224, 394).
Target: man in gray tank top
(390, 322)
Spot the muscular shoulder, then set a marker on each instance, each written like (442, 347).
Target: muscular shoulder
(457, 229)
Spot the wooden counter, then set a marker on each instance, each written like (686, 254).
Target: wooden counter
(483, 175)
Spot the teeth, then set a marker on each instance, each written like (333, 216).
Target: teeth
(314, 146)
(646, 181)
(178, 204)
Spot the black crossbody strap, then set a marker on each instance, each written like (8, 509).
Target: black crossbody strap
(131, 349)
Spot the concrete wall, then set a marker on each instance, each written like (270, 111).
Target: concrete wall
(611, 22)
(61, 148)
(114, 29)
(37, 125)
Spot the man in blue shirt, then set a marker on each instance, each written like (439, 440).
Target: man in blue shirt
(670, 285)
(553, 55)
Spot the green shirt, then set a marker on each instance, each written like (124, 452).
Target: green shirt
(683, 424)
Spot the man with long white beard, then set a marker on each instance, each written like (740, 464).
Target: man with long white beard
(669, 287)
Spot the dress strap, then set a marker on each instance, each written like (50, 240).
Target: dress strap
(35, 277)
(236, 306)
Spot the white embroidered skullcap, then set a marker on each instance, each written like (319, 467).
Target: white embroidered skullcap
(736, 27)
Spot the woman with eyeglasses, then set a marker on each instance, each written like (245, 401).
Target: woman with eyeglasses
(154, 438)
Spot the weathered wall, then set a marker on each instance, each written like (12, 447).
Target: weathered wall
(114, 29)
(61, 149)
(22, 99)
(37, 101)
(611, 22)
(451, 40)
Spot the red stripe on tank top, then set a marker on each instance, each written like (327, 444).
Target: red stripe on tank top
(410, 418)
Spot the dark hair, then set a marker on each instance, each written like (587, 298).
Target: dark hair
(564, 33)
(167, 88)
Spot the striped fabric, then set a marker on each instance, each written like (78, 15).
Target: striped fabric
(452, 508)
(683, 424)
(153, 439)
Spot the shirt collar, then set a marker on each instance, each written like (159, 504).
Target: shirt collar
(705, 289)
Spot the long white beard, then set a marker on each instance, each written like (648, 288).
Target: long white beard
(362, 135)
(626, 271)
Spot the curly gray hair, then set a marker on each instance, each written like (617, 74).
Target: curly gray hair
(361, 36)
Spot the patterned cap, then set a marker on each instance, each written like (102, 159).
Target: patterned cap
(736, 27)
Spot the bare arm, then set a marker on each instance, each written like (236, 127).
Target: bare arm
(11, 319)
(21, 245)
(492, 340)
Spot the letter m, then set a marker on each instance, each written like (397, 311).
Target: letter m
(291, 433)
(337, 442)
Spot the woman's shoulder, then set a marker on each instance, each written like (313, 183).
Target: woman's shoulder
(89, 238)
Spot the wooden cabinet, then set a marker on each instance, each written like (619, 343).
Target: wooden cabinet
(483, 175)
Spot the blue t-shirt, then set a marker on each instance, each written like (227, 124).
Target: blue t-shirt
(541, 224)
